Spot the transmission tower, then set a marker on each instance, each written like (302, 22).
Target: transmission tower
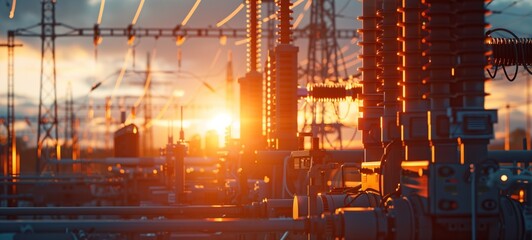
(322, 66)
(11, 137)
(68, 123)
(47, 131)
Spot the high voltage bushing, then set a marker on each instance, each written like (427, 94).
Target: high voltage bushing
(413, 116)
(333, 92)
(285, 16)
(439, 67)
(369, 123)
(253, 34)
(510, 51)
(286, 81)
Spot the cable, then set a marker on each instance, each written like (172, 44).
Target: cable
(503, 56)
(137, 14)
(12, 11)
(100, 15)
(230, 16)
(190, 13)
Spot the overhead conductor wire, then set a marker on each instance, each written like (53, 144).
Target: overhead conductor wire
(13, 6)
(129, 51)
(230, 16)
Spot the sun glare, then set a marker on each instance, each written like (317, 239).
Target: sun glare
(219, 123)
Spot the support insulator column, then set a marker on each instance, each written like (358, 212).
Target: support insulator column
(474, 124)
(286, 81)
(251, 85)
(413, 117)
(369, 124)
(439, 39)
(251, 111)
(390, 78)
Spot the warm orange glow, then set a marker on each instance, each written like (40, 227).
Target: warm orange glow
(58, 151)
(102, 6)
(223, 40)
(266, 179)
(220, 123)
(14, 162)
(230, 16)
(137, 14)
(178, 42)
(189, 15)
(521, 195)
(13, 6)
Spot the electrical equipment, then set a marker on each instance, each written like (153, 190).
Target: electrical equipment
(126, 141)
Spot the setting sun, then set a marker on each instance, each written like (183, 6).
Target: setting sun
(219, 123)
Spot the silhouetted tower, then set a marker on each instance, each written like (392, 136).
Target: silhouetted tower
(322, 66)
(69, 122)
(75, 138)
(47, 131)
(108, 121)
(323, 45)
(11, 156)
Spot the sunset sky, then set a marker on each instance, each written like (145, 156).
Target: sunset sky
(203, 60)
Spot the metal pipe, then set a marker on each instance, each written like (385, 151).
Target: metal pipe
(148, 226)
(178, 211)
(513, 156)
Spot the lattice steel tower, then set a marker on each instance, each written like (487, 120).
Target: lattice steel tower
(322, 66)
(47, 130)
